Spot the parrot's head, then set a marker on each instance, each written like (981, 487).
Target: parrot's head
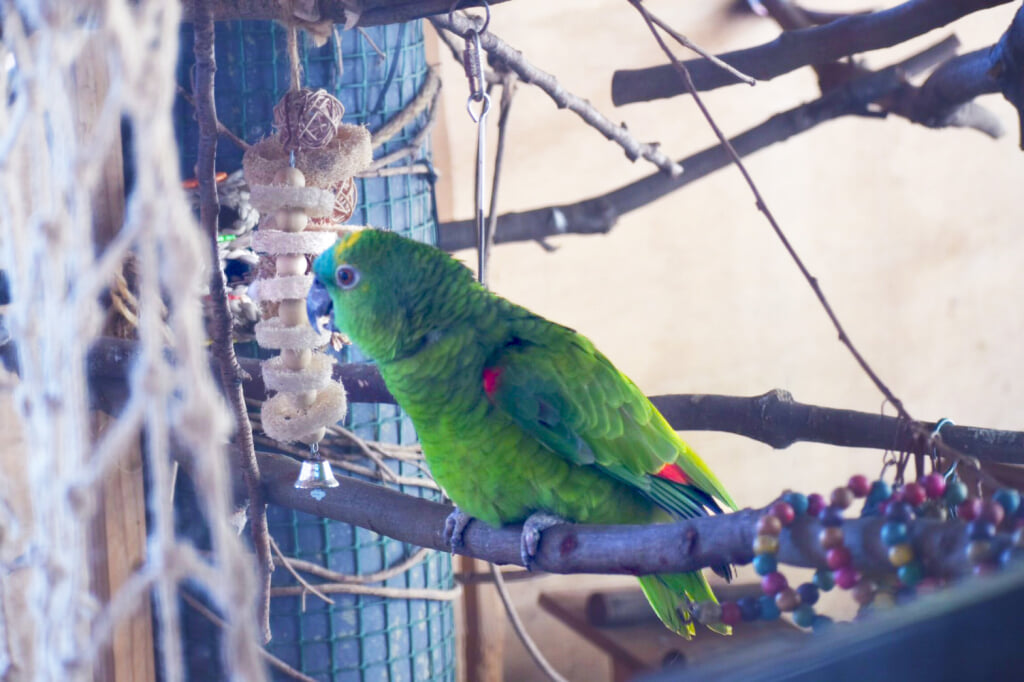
(386, 292)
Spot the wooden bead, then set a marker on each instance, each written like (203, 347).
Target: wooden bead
(296, 359)
(292, 312)
(831, 536)
(842, 497)
(787, 599)
(769, 525)
(290, 264)
(291, 220)
(766, 544)
(292, 177)
(863, 592)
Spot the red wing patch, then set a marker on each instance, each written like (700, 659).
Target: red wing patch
(673, 472)
(491, 376)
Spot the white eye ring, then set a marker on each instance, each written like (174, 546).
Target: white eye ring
(346, 276)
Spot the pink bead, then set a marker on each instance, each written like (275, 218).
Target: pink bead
(784, 512)
(815, 503)
(731, 613)
(837, 557)
(846, 577)
(914, 494)
(992, 512)
(859, 485)
(773, 583)
(934, 485)
(969, 509)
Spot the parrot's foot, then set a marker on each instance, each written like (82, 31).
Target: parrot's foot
(529, 542)
(454, 526)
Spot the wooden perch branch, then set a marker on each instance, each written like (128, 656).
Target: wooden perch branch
(636, 550)
(773, 418)
(512, 58)
(598, 215)
(794, 49)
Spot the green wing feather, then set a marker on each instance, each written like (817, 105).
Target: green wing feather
(563, 391)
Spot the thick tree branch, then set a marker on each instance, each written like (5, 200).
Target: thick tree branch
(773, 418)
(636, 550)
(793, 49)
(223, 351)
(599, 214)
(512, 58)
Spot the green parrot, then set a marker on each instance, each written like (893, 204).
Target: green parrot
(520, 419)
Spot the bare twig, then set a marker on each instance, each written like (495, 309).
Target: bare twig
(221, 128)
(287, 562)
(426, 97)
(414, 144)
(791, 50)
(367, 590)
(636, 550)
(411, 169)
(528, 73)
(379, 576)
(508, 91)
(599, 214)
(520, 629)
(686, 42)
(271, 659)
(231, 374)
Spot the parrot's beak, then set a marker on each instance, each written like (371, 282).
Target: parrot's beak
(319, 306)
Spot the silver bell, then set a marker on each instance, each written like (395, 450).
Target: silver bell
(316, 472)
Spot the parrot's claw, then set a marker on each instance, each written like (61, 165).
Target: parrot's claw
(529, 541)
(454, 526)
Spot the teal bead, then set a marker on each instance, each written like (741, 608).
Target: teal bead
(769, 611)
(880, 492)
(804, 616)
(822, 623)
(894, 533)
(1008, 498)
(823, 579)
(911, 574)
(798, 501)
(765, 564)
(956, 492)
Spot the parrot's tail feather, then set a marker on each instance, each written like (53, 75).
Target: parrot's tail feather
(667, 593)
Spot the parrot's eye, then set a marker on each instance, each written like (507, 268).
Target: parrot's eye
(346, 276)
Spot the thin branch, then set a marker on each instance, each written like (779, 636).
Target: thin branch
(223, 351)
(424, 99)
(508, 92)
(369, 591)
(378, 577)
(411, 169)
(271, 659)
(773, 418)
(687, 43)
(221, 128)
(414, 144)
(635, 550)
(520, 629)
(794, 49)
(598, 215)
(287, 562)
(503, 52)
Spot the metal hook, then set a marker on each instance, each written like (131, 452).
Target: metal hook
(487, 15)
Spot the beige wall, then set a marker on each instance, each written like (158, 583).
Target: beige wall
(916, 235)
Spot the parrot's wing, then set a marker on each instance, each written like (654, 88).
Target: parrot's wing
(563, 391)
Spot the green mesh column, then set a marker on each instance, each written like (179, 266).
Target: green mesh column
(358, 637)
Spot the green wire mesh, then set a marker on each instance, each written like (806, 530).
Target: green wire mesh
(358, 637)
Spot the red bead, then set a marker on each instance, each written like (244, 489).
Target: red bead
(773, 583)
(784, 512)
(914, 494)
(934, 485)
(859, 485)
(969, 509)
(837, 558)
(992, 512)
(731, 613)
(846, 577)
(815, 503)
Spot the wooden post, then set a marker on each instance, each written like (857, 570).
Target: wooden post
(118, 537)
(483, 631)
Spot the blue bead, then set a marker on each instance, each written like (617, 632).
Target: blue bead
(1008, 498)
(981, 530)
(765, 564)
(894, 533)
(900, 511)
(804, 615)
(798, 501)
(824, 580)
(880, 492)
(956, 492)
(831, 516)
(750, 608)
(769, 611)
(809, 593)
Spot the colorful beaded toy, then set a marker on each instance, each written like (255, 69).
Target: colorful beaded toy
(934, 496)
